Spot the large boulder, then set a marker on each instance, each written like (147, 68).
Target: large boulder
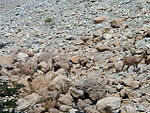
(93, 87)
(113, 102)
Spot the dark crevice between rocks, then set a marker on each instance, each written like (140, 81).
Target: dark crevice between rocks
(3, 45)
(125, 96)
(57, 67)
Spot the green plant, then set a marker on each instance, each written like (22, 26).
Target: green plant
(48, 20)
(8, 96)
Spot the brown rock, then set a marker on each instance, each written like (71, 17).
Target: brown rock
(107, 109)
(16, 71)
(75, 59)
(24, 81)
(4, 77)
(44, 66)
(26, 71)
(53, 110)
(76, 93)
(64, 108)
(27, 101)
(86, 38)
(60, 83)
(50, 103)
(30, 53)
(14, 79)
(111, 59)
(50, 75)
(45, 57)
(90, 110)
(102, 47)
(44, 92)
(127, 93)
(135, 84)
(81, 104)
(38, 83)
(66, 99)
(79, 42)
(27, 68)
(139, 37)
(38, 109)
(88, 101)
(117, 23)
(148, 30)
(98, 33)
(117, 43)
(8, 59)
(100, 19)
(127, 81)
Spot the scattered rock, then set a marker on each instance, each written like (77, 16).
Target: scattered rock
(135, 84)
(39, 83)
(117, 23)
(66, 99)
(76, 93)
(117, 43)
(45, 57)
(94, 87)
(23, 103)
(100, 19)
(69, 63)
(44, 66)
(107, 36)
(141, 108)
(75, 59)
(90, 110)
(53, 110)
(7, 59)
(64, 108)
(98, 33)
(38, 109)
(75, 111)
(22, 57)
(50, 103)
(81, 104)
(102, 47)
(113, 102)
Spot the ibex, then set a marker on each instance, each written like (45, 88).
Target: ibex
(67, 65)
(134, 60)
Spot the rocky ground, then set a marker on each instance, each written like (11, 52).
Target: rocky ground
(70, 54)
(8, 5)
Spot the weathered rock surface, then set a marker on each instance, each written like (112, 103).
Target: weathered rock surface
(70, 54)
(113, 102)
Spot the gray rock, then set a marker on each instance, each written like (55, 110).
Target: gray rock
(75, 111)
(76, 93)
(93, 86)
(141, 108)
(113, 102)
(23, 57)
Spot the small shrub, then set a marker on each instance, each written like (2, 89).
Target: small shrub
(48, 20)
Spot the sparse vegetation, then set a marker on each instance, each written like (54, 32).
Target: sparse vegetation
(9, 95)
(48, 20)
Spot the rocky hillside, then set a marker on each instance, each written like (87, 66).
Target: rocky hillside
(78, 56)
